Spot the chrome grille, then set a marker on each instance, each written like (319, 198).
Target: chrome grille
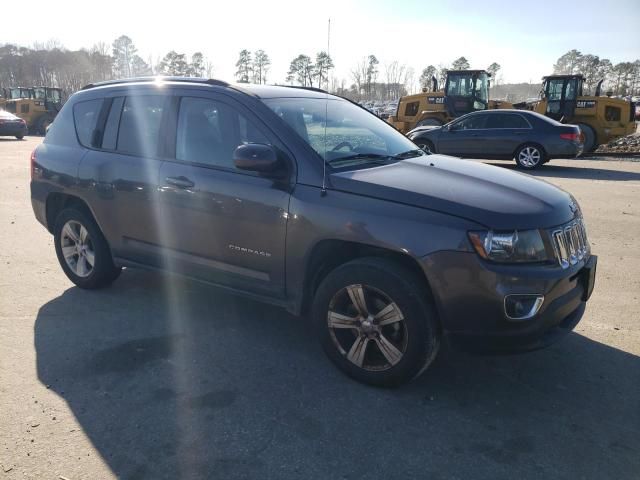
(570, 243)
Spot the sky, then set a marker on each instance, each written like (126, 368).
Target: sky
(525, 38)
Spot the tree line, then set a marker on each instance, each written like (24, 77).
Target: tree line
(52, 65)
(620, 79)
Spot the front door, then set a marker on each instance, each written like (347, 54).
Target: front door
(222, 224)
(464, 137)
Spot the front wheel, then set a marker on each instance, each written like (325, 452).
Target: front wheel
(20, 136)
(424, 144)
(375, 321)
(82, 250)
(530, 156)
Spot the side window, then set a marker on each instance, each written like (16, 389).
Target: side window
(139, 132)
(611, 114)
(24, 108)
(517, 121)
(85, 117)
(555, 90)
(411, 110)
(472, 122)
(110, 136)
(505, 120)
(209, 131)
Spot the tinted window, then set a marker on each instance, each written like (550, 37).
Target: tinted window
(411, 110)
(472, 122)
(85, 117)
(110, 136)
(506, 120)
(140, 122)
(209, 132)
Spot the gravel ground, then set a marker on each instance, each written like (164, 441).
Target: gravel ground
(158, 377)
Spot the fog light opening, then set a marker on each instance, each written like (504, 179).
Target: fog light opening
(522, 307)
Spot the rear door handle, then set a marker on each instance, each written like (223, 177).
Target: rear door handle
(180, 182)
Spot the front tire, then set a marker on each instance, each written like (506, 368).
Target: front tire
(82, 250)
(530, 156)
(20, 136)
(376, 322)
(426, 145)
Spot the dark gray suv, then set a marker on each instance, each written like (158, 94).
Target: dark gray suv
(305, 200)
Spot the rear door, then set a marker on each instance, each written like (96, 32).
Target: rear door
(121, 173)
(504, 132)
(222, 224)
(464, 137)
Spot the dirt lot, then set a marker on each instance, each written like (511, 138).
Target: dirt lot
(158, 377)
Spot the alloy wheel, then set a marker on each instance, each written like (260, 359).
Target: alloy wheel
(77, 248)
(367, 327)
(529, 156)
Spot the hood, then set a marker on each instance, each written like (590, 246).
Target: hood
(424, 129)
(492, 196)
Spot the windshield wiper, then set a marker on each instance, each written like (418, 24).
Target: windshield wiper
(416, 152)
(360, 156)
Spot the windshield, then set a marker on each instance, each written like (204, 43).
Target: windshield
(468, 85)
(53, 95)
(39, 93)
(352, 134)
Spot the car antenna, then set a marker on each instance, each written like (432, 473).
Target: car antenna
(323, 190)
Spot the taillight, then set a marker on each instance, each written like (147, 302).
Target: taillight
(574, 137)
(33, 162)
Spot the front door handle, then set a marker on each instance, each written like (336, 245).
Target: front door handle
(180, 182)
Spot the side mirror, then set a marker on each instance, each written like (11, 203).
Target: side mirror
(256, 157)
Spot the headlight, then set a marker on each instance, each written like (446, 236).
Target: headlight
(525, 246)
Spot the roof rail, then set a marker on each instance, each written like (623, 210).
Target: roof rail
(312, 89)
(157, 78)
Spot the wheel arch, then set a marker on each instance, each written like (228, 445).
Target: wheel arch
(535, 144)
(56, 202)
(329, 254)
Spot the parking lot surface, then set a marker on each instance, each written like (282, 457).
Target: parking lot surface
(161, 377)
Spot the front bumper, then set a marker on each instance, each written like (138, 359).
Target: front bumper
(469, 295)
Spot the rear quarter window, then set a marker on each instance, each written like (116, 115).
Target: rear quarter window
(85, 118)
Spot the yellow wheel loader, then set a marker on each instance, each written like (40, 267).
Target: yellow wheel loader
(601, 119)
(464, 91)
(38, 106)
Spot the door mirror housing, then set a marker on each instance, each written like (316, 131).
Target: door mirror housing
(257, 157)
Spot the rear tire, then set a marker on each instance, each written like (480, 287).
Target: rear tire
(82, 250)
(530, 156)
(20, 137)
(590, 140)
(381, 349)
(429, 122)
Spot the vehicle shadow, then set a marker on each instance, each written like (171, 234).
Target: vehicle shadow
(173, 379)
(581, 172)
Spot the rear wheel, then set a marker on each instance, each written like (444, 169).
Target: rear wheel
(375, 322)
(590, 143)
(429, 122)
(20, 136)
(530, 156)
(43, 123)
(82, 250)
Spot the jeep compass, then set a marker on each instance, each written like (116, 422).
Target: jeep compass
(305, 200)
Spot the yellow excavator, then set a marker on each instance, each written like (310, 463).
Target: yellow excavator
(464, 91)
(38, 106)
(601, 118)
